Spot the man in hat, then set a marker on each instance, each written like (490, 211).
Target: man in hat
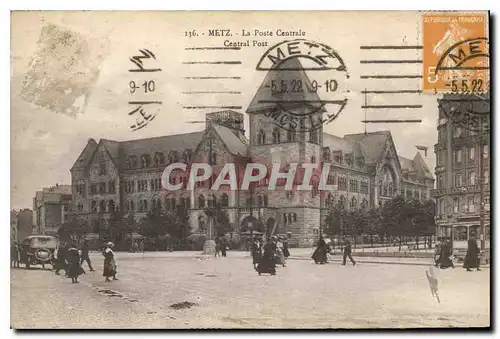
(85, 254)
(347, 253)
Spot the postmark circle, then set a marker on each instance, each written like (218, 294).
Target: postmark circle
(304, 88)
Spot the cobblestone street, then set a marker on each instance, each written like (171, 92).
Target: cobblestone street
(228, 293)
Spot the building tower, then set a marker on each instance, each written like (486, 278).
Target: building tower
(280, 133)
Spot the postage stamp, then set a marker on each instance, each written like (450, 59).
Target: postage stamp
(456, 52)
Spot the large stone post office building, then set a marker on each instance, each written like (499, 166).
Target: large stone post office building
(366, 168)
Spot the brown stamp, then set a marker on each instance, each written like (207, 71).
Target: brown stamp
(456, 52)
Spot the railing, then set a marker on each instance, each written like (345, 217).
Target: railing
(438, 192)
(465, 189)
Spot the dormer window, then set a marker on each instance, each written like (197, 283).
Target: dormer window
(276, 135)
(349, 160)
(326, 154)
(159, 159)
(261, 137)
(145, 160)
(132, 161)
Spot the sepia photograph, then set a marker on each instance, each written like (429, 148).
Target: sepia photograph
(250, 170)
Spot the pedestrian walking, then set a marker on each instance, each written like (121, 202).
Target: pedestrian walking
(217, 247)
(279, 252)
(319, 255)
(286, 252)
(472, 256)
(60, 255)
(74, 267)
(109, 262)
(348, 253)
(256, 252)
(223, 246)
(437, 253)
(446, 253)
(85, 255)
(14, 255)
(267, 263)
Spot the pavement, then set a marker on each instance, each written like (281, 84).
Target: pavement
(295, 254)
(173, 290)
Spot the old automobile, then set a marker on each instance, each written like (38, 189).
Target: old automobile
(38, 250)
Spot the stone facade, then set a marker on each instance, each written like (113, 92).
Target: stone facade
(459, 173)
(365, 167)
(51, 208)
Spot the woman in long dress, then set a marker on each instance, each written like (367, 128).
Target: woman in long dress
(471, 258)
(256, 252)
(109, 262)
(319, 255)
(279, 252)
(267, 263)
(446, 253)
(74, 265)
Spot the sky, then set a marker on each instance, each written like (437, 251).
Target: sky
(58, 57)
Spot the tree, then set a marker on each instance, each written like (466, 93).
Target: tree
(373, 223)
(394, 216)
(220, 219)
(117, 228)
(333, 222)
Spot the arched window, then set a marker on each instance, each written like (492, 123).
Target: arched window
(290, 135)
(313, 159)
(342, 202)
(111, 205)
(202, 225)
(172, 157)
(159, 159)
(326, 154)
(212, 201)
(170, 203)
(262, 200)
(261, 137)
(186, 157)
(185, 202)
(313, 137)
(80, 207)
(249, 201)
(329, 201)
(201, 201)
(364, 204)
(102, 206)
(224, 200)
(145, 160)
(213, 158)
(94, 206)
(276, 135)
(354, 203)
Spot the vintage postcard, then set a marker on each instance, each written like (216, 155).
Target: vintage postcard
(250, 170)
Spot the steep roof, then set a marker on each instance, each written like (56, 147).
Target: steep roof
(234, 144)
(336, 143)
(265, 99)
(406, 164)
(370, 144)
(86, 154)
(176, 142)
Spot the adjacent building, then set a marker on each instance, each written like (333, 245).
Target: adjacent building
(20, 224)
(366, 167)
(462, 167)
(51, 209)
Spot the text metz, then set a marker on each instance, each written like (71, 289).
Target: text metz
(219, 32)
